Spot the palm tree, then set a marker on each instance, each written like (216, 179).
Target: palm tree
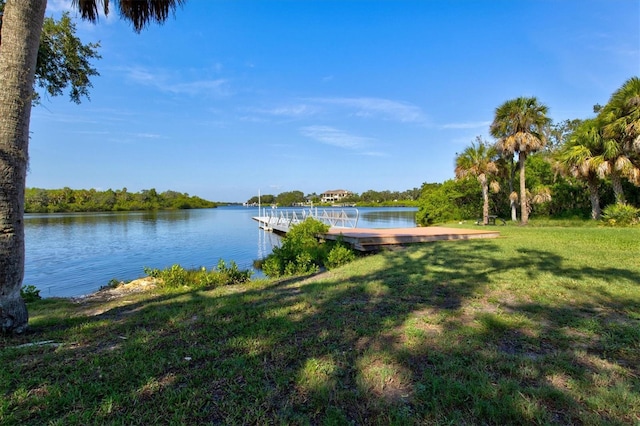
(620, 122)
(581, 157)
(507, 171)
(518, 126)
(479, 160)
(621, 116)
(21, 26)
(22, 22)
(615, 163)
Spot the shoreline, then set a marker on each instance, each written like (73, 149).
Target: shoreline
(106, 294)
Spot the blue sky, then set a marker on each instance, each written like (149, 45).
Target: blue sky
(236, 96)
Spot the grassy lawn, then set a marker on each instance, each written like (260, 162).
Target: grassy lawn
(539, 326)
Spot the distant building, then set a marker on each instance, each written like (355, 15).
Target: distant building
(335, 195)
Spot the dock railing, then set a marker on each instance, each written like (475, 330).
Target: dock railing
(283, 219)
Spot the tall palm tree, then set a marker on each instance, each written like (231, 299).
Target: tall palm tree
(507, 171)
(518, 126)
(620, 122)
(21, 26)
(621, 115)
(479, 160)
(581, 157)
(22, 22)
(616, 163)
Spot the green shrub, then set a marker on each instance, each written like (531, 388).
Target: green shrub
(620, 214)
(301, 253)
(340, 255)
(30, 293)
(273, 266)
(232, 274)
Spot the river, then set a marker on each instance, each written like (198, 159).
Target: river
(77, 253)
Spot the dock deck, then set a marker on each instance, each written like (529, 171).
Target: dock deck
(370, 239)
(367, 239)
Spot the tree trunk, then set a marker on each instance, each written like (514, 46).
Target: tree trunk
(512, 203)
(21, 28)
(524, 210)
(485, 205)
(616, 183)
(594, 197)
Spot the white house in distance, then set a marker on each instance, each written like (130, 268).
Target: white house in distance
(335, 195)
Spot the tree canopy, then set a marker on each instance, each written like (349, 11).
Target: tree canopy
(63, 61)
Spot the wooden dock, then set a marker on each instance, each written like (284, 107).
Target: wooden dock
(367, 239)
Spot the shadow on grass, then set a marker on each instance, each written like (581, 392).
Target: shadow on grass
(418, 336)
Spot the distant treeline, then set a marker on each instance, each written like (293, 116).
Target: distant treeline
(39, 200)
(368, 198)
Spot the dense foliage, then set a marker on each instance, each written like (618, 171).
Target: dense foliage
(303, 253)
(63, 60)
(39, 200)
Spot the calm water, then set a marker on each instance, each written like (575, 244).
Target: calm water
(76, 254)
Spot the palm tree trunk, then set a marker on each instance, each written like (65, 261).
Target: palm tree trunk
(616, 183)
(485, 204)
(512, 203)
(21, 27)
(514, 213)
(524, 210)
(594, 197)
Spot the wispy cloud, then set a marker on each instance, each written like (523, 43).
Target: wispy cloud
(467, 125)
(385, 109)
(364, 107)
(288, 111)
(374, 154)
(335, 137)
(148, 136)
(216, 87)
(54, 6)
(166, 82)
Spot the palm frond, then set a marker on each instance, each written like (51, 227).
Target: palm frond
(139, 12)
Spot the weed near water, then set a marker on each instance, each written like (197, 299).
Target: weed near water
(537, 326)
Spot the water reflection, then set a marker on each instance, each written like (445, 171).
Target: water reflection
(400, 217)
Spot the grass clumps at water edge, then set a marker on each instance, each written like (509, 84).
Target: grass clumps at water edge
(177, 276)
(538, 326)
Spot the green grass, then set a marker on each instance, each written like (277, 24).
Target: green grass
(539, 326)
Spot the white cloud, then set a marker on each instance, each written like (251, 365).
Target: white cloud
(374, 154)
(288, 111)
(376, 107)
(468, 125)
(170, 83)
(55, 6)
(148, 135)
(335, 137)
(216, 87)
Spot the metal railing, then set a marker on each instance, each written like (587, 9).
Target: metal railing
(286, 218)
